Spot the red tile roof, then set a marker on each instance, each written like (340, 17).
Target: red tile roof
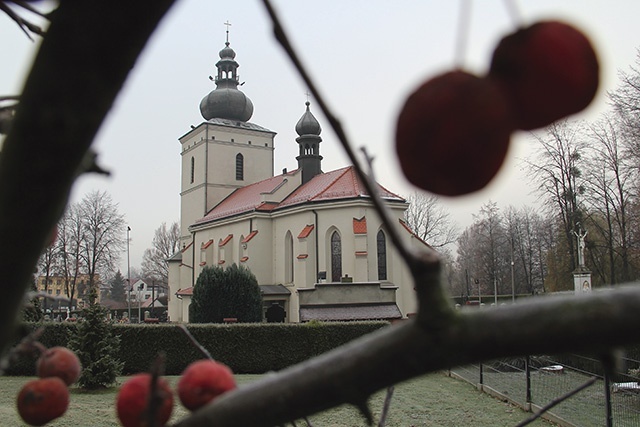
(306, 231)
(360, 225)
(339, 184)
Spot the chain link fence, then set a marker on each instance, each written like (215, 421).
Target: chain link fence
(537, 381)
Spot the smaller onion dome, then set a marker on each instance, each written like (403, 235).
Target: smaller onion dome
(227, 52)
(308, 125)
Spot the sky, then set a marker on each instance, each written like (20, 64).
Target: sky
(366, 56)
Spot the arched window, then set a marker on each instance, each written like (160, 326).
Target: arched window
(239, 167)
(381, 245)
(288, 258)
(336, 257)
(193, 169)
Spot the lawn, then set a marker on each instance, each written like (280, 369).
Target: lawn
(432, 400)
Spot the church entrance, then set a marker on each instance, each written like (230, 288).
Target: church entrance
(275, 312)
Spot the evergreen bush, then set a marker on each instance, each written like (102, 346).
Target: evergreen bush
(97, 348)
(226, 293)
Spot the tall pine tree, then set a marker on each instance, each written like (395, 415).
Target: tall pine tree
(97, 347)
(118, 288)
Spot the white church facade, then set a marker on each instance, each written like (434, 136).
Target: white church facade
(312, 238)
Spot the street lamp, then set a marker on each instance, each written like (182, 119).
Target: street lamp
(513, 286)
(128, 275)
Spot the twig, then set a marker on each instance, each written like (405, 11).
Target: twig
(28, 344)
(385, 407)
(22, 23)
(556, 401)
(195, 342)
(155, 398)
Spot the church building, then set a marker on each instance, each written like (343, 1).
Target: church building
(312, 238)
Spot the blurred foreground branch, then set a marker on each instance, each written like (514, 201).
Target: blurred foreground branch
(87, 53)
(350, 374)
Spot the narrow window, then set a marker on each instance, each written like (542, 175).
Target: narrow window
(239, 167)
(336, 257)
(381, 241)
(288, 258)
(193, 169)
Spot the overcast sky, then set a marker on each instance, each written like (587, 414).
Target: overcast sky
(365, 55)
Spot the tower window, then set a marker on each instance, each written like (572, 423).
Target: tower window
(381, 244)
(193, 169)
(239, 167)
(336, 257)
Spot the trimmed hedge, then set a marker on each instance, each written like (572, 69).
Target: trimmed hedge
(246, 348)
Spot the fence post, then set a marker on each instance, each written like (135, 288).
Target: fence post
(607, 396)
(527, 370)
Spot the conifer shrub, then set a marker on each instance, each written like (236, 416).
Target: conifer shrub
(97, 347)
(226, 293)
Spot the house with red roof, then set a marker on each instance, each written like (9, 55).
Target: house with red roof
(312, 238)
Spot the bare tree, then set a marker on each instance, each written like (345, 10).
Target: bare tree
(556, 168)
(69, 248)
(611, 179)
(429, 220)
(166, 242)
(103, 234)
(525, 228)
(48, 265)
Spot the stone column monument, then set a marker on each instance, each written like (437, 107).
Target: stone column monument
(581, 275)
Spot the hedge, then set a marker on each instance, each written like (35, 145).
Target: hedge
(246, 348)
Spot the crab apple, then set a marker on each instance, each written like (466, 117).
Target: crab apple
(202, 381)
(132, 401)
(549, 70)
(42, 400)
(59, 362)
(453, 132)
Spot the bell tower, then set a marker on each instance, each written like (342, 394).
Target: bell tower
(224, 152)
(309, 158)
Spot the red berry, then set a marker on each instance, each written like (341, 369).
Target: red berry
(202, 381)
(453, 133)
(59, 362)
(549, 71)
(43, 400)
(133, 400)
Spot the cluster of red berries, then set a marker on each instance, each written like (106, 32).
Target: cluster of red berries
(453, 132)
(47, 398)
(200, 383)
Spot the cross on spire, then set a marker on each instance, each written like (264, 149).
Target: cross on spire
(308, 95)
(228, 24)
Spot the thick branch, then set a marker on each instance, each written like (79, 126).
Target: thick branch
(353, 372)
(89, 49)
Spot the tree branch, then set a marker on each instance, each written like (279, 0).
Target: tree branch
(82, 63)
(352, 373)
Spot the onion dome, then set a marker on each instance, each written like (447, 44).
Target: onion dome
(226, 101)
(308, 125)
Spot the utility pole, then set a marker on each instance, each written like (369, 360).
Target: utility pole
(128, 275)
